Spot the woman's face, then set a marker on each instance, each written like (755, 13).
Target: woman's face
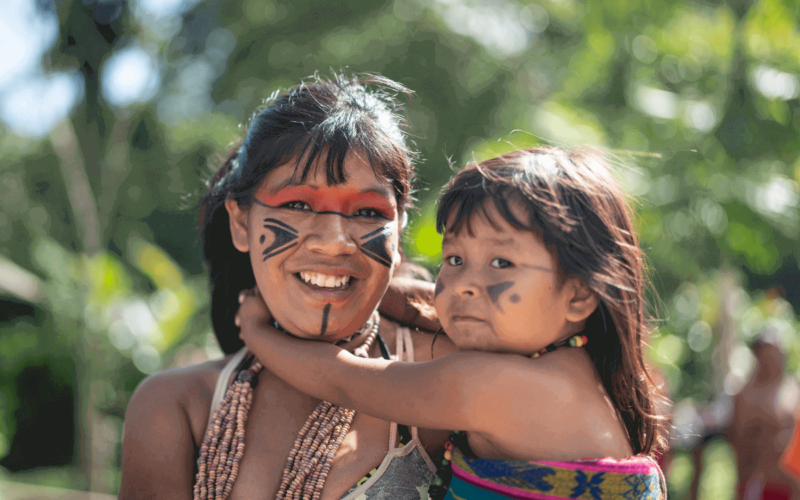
(322, 255)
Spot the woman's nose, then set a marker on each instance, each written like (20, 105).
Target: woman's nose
(330, 236)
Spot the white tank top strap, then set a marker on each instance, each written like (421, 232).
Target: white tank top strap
(392, 435)
(224, 380)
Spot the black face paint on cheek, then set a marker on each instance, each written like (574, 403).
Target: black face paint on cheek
(494, 292)
(284, 237)
(325, 319)
(439, 287)
(375, 246)
(514, 299)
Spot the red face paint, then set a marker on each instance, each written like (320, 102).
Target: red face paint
(343, 201)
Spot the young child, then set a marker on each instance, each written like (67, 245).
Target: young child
(542, 292)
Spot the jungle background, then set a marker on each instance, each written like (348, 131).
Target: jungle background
(113, 114)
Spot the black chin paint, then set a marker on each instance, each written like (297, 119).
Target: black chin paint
(514, 298)
(325, 319)
(439, 287)
(375, 245)
(284, 237)
(494, 291)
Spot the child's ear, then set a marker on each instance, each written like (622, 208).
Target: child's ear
(582, 300)
(238, 222)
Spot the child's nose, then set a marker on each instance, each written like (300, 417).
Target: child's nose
(467, 286)
(330, 236)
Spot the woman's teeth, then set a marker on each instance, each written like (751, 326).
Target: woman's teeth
(324, 280)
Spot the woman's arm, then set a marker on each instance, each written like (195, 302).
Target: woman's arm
(157, 448)
(458, 391)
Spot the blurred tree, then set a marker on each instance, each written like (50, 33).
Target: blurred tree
(99, 264)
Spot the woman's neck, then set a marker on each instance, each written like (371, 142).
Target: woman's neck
(351, 342)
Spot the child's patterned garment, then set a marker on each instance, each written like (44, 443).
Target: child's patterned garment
(635, 478)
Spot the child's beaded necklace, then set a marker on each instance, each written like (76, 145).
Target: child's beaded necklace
(458, 439)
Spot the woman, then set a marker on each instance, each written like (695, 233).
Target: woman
(309, 210)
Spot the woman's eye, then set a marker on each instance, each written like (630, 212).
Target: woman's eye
(298, 205)
(454, 260)
(369, 213)
(500, 263)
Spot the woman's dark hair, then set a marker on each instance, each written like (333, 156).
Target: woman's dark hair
(318, 120)
(574, 202)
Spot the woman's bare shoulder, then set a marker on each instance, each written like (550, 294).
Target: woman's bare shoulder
(182, 382)
(187, 390)
(423, 341)
(164, 425)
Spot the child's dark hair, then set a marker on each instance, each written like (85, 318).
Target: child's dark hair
(572, 199)
(321, 119)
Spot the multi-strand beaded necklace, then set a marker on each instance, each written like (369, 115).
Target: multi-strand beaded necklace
(309, 461)
(458, 439)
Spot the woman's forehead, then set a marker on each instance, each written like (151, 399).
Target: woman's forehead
(359, 176)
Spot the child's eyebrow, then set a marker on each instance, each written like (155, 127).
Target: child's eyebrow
(497, 241)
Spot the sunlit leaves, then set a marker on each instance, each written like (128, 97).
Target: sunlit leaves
(770, 34)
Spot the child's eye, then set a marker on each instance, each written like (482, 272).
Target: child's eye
(297, 205)
(454, 260)
(370, 213)
(500, 263)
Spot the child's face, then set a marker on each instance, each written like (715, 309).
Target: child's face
(499, 288)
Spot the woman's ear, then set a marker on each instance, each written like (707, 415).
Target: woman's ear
(582, 300)
(238, 222)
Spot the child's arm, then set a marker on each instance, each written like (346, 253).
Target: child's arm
(458, 391)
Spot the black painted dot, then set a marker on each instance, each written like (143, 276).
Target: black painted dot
(514, 298)
(261, 240)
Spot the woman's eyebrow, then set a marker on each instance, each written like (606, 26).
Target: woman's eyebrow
(290, 182)
(380, 191)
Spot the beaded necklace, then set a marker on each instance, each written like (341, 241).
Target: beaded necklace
(458, 439)
(309, 461)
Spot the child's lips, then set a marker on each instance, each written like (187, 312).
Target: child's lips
(461, 318)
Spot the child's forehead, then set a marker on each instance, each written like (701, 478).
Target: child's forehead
(486, 220)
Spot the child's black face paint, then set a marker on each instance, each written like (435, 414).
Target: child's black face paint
(325, 319)
(375, 247)
(494, 292)
(514, 299)
(284, 237)
(540, 268)
(439, 287)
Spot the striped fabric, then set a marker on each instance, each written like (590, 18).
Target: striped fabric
(635, 478)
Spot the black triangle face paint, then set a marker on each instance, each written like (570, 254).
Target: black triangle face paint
(494, 292)
(439, 287)
(375, 246)
(284, 237)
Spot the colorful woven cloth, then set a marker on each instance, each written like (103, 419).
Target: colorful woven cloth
(635, 478)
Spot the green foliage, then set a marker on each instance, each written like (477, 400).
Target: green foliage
(694, 103)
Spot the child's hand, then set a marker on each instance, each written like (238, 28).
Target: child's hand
(252, 314)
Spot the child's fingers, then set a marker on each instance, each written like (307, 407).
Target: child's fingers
(252, 307)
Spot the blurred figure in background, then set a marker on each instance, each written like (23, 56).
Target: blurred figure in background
(763, 418)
